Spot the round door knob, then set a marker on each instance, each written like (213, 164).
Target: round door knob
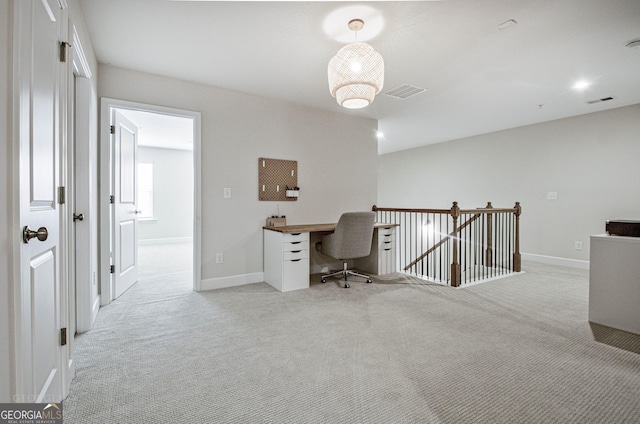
(78, 217)
(28, 234)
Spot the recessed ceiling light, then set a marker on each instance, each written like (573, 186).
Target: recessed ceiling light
(581, 85)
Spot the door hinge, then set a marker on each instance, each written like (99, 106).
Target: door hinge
(63, 50)
(61, 195)
(112, 199)
(63, 336)
(112, 129)
(112, 269)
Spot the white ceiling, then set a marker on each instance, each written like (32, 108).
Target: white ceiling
(479, 79)
(160, 130)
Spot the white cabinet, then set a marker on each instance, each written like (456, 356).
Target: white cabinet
(286, 260)
(614, 282)
(382, 259)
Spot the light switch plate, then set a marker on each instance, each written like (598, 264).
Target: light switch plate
(227, 193)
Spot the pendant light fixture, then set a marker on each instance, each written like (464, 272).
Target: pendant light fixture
(356, 72)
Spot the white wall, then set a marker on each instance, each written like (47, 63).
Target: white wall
(8, 235)
(336, 154)
(173, 194)
(591, 161)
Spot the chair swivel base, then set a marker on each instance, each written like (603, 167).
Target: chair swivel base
(345, 272)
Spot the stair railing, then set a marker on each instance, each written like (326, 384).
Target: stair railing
(454, 246)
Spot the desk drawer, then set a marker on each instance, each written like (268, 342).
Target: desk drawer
(295, 275)
(386, 243)
(296, 255)
(295, 245)
(386, 261)
(295, 237)
(386, 231)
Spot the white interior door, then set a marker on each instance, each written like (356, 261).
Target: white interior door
(39, 352)
(125, 227)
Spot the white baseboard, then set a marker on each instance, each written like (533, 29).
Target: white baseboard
(554, 260)
(231, 281)
(149, 242)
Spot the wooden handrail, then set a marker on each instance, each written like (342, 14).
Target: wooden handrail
(374, 208)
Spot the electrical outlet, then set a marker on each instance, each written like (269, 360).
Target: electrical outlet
(577, 245)
(227, 193)
(552, 195)
(219, 258)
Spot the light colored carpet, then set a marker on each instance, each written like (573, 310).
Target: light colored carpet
(161, 259)
(516, 350)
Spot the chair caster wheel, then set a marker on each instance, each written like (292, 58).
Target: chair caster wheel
(369, 281)
(346, 286)
(323, 281)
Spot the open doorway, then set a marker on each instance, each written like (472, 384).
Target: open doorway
(155, 150)
(165, 194)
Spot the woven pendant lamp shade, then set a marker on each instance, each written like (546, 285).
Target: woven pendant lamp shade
(356, 74)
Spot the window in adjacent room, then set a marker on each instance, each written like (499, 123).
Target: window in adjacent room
(145, 190)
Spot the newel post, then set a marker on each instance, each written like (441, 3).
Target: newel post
(517, 265)
(455, 264)
(489, 252)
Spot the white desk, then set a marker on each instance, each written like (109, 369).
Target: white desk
(614, 282)
(288, 251)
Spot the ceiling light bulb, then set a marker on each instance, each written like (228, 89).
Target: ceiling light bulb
(356, 67)
(581, 85)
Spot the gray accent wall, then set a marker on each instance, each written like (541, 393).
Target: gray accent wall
(591, 161)
(336, 154)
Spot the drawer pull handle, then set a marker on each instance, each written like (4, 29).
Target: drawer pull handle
(387, 249)
(295, 234)
(296, 251)
(295, 260)
(387, 242)
(296, 242)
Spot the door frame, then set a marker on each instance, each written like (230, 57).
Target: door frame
(82, 195)
(106, 177)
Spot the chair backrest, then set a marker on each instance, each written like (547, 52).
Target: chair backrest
(353, 235)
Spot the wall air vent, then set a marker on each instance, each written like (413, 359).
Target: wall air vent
(604, 99)
(404, 91)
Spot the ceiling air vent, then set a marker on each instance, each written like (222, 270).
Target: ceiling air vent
(404, 91)
(604, 99)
